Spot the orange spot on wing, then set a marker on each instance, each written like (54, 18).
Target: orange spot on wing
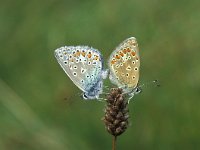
(78, 53)
(89, 55)
(83, 54)
(128, 49)
(133, 53)
(117, 56)
(113, 62)
(96, 57)
(124, 51)
(121, 53)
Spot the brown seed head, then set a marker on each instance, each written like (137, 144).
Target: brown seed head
(116, 112)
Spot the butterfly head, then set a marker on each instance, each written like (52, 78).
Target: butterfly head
(87, 96)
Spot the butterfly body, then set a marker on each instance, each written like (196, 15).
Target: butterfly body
(84, 66)
(124, 65)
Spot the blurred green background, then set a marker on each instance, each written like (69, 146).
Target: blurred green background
(40, 108)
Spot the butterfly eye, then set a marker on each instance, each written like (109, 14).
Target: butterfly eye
(85, 96)
(138, 90)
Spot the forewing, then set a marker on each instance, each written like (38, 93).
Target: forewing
(82, 64)
(124, 64)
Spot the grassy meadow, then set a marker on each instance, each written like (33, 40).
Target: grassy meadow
(40, 107)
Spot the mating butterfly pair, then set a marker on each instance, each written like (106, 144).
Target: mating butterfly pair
(84, 66)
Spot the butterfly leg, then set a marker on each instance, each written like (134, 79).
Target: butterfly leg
(101, 99)
(106, 87)
(131, 96)
(137, 90)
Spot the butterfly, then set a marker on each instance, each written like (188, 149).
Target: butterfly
(84, 66)
(124, 66)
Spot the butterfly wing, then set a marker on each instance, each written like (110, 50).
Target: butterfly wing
(124, 64)
(82, 64)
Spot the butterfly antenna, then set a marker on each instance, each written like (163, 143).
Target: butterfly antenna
(80, 95)
(155, 82)
(101, 99)
(72, 96)
(68, 100)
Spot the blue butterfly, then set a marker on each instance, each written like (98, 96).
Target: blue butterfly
(84, 66)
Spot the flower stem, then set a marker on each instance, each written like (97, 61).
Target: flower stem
(114, 143)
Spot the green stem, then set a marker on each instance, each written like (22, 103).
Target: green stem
(114, 143)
